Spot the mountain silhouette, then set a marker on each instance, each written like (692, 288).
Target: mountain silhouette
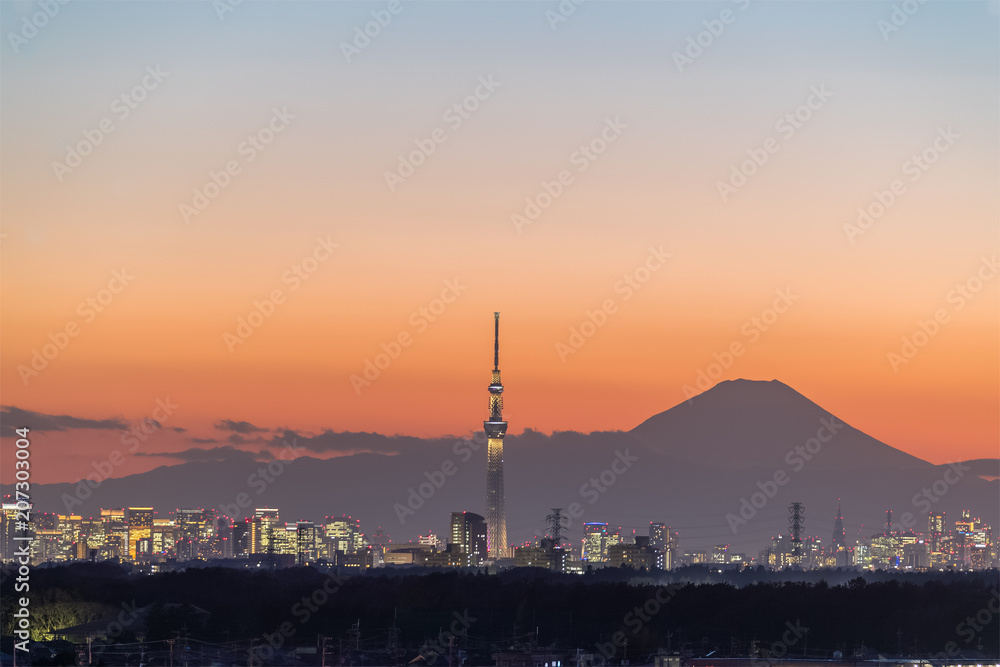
(693, 467)
(747, 423)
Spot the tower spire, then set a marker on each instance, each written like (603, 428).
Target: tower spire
(496, 341)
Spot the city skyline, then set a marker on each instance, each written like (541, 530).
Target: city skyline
(142, 534)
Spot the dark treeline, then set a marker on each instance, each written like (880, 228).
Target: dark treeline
(692, 609)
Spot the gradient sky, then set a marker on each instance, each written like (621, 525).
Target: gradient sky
(655, 186)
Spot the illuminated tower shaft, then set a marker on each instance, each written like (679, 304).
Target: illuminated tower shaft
(496, 428)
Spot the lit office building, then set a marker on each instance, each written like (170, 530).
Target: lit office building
(637, 554)
(139, 521)
(343, 534)
(595, 542)
(115, 534)
(72, 546)
(264, 526)
(305, 542)
(190, 527)
(164, 535)
(659, 540)
(468, 537)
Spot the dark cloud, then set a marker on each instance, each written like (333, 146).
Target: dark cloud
(224, 453)
(179, 429)
(12, 418)
(345, 442)
(237, 439)
(203, 441)
(238, 427)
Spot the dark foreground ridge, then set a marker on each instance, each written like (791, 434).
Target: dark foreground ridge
(225, 616)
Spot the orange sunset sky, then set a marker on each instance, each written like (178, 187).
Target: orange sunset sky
(917, 107)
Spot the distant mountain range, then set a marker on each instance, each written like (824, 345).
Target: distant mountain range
(720, 468)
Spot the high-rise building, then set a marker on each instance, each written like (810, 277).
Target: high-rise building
(70, 541)
(936, 526)
(264, 529)
(164, 534)
(242, 539)
(190, 526)
(839, 544)
(286, 542)
(612, 537)
(91, 538)
(595, 542)
(659, 537)
(139, 521)
(222, 542)
(673, 549)
(305, 535)
(468, 536)
(496, 428)
(343, 533)
(964, 540)
(115, 543)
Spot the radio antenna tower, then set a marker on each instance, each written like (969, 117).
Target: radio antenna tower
(797, 521)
